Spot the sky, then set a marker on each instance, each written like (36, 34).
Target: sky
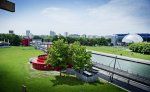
(91, 17)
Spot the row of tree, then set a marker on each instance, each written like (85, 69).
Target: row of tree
(85, 41)
(61, 54)
(14, 40)
(142, 47)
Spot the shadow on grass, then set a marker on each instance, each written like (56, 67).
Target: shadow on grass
(71, 81)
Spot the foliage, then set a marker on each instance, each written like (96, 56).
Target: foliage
(80, 57)
(142, 47)
(58, 54)
(37, 37)
(46, 38)
(56, 38)
(61, 54)
(84, 41)
(13, 39)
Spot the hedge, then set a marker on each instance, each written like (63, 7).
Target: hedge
(142, 47)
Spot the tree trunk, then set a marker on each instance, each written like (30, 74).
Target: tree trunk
(60, 72)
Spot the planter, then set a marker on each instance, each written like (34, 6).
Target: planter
(87, 78)
(90, 77)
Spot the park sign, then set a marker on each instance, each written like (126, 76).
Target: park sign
(7, 5)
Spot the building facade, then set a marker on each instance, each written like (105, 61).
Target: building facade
(116, 39)
(11, 32)
(52, 33)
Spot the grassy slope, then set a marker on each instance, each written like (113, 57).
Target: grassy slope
(118, 51)
(15, 71)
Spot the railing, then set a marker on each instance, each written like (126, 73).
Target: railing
(127, 65)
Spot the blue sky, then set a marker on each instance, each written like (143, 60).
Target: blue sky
(91, 17)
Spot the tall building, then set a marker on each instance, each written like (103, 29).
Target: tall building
(66, 34)
(52, 33)
(11, 32)
(28, 33)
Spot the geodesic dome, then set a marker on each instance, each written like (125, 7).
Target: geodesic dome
(132, 38)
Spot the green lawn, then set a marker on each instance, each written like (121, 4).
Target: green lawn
(16, 71)
(119, 51)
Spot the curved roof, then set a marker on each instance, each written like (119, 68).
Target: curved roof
(132, 38)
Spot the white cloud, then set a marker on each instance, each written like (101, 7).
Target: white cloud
(61, 15)
(117, 16)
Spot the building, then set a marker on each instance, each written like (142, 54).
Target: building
(65, 34)
(11, 32)
(145, 36)
(25, 41)
(52, 33)
(132, 38)
(116, 39)
(4, 43)
(28, 33)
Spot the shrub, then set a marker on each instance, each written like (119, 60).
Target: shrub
(140, 47)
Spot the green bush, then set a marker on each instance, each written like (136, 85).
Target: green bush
(140, 47)
(84, 41)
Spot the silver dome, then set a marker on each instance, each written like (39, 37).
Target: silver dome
(132, 38)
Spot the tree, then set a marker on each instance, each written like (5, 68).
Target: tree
(81, 59)
(55, 38)
(13, 39)
(58, 55)
(37, 37)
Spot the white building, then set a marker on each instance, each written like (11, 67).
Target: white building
(132, 38)
(65, 34)
(28, 33)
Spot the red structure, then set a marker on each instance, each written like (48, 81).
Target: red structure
(40, 64)
(25, 41)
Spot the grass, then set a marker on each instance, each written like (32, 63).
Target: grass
(16, 71)
(119, 51)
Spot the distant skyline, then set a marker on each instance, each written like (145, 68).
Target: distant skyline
(90, 17)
